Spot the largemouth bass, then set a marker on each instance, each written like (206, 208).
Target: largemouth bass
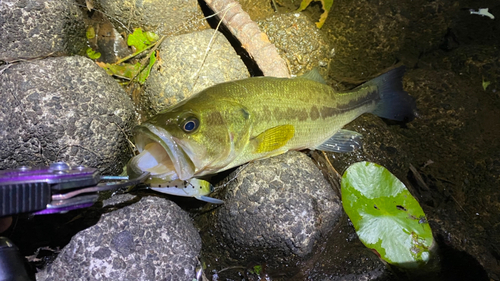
(232, 123)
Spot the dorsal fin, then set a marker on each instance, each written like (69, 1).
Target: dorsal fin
(314, 75)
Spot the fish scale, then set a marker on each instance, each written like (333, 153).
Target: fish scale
(270, 105)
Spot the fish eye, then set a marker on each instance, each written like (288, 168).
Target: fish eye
(190, 125)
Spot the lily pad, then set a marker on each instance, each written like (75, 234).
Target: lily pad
(387, 218)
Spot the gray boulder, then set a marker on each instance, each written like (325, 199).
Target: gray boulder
(153, 239)
(165, 17)
(33, 28)
(178, 76)
(63, 109)
(275, 211)
(298, 40)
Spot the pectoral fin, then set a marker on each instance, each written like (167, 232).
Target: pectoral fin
(273, 138)
(342, 141)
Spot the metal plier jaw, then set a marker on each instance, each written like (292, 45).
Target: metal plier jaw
(57, 188)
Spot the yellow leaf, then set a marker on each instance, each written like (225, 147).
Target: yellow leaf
(327, 5)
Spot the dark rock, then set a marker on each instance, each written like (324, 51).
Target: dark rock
(382, 144)
(453, 145)
(478, 62)
(367, 38)
(275, 211)
(63, 109)
(151, 240)
(178, 74)
(39, 28)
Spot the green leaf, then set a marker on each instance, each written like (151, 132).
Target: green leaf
(327, 5)
(90, 33)
(145, 73)
(129, 71)
(93, 54)
(122, 70)
(151, 36)
(257, 269)
(140, 40)
(387, 218)
(486, 84)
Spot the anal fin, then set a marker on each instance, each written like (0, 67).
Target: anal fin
(342, 141)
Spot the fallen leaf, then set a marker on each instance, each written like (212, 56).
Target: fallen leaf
(93, 54)
(327, 5)
(145, 73)
(140, 40)
(90, 4)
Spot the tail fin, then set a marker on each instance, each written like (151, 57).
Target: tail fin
(395, 103)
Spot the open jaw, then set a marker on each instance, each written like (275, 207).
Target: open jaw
(160, 155)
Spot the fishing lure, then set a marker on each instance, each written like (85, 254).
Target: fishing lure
(196, 188)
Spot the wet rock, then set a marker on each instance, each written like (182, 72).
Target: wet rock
(298, 40)
(39, 28)
(118, 200)
(275, 212)
(178, 76)
(63, 109)
(153, 239)
(164, 17)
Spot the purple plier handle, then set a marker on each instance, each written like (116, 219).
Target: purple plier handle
(54, 189)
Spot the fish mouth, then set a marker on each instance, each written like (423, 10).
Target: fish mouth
(160, 155)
